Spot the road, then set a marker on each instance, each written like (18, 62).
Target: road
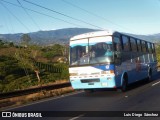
(141, 96)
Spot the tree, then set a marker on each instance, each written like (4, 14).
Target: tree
(26, 60)
(25, 39)
(1, 43)
(158, 54)
(11, 44)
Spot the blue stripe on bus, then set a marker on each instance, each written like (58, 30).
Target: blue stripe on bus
(104, 67)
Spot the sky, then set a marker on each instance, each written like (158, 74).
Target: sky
(130, 16)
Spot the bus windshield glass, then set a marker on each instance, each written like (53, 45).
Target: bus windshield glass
(91, 51)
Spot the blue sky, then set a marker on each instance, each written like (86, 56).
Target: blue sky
(131, 16)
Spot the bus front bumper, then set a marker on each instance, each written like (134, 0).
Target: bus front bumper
(89, 83)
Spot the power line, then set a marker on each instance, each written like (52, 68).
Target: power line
(15, 16)
(28, 15)
(62, 14)
(42, 13)
(93, 14)
(25, 70)
(6, 22)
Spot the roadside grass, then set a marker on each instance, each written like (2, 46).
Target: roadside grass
(26, 99)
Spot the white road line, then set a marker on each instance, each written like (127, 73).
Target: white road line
(77, 117)
(156, 83)
(54, 98)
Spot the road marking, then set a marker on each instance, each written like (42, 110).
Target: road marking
(156, 83)
(54, 98)
(77, 117)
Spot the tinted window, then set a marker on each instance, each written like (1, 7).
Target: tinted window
(149, 47)
(117, 44)
(139, 45)
(144, 46)
(126, 45)
(153, 48)
(133, 44)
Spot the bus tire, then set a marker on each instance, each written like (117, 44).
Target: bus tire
(124, 84)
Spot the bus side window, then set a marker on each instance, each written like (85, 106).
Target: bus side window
(149, 47)
(139, 45)
(154, 52)
(117, 44)
(126, 43)
(133, 44)
(153, 48)
(144, 46)
(117, 49)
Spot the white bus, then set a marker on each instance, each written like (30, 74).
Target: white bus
(109, 59)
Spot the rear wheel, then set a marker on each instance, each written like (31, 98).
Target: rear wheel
(124, 84)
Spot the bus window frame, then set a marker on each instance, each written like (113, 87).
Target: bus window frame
(146, 44)
(139, 45)
(153, 48)
(149, 47)
(143, 44)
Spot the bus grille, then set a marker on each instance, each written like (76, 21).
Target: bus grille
(89, 80)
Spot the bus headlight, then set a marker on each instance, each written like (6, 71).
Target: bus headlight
(107, 72)
(107, 60)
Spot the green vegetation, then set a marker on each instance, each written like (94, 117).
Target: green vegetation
(28, 65)
(158, 53)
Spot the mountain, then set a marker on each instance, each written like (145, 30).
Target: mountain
(62, 36)
(48, 37)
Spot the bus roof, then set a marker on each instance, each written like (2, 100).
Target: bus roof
(103, 33)
(92, 34)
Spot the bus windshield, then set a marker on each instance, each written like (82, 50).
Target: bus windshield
(91, 51)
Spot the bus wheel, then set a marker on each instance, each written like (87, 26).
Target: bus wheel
(124, 85)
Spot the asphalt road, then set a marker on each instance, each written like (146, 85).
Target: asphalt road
(141, 96)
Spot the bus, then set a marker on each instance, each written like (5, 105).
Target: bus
(109, 59)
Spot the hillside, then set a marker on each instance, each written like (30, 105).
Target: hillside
(63, 35)
(47, 37)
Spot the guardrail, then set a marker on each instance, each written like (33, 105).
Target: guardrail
(33, 90)
(37, 89)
